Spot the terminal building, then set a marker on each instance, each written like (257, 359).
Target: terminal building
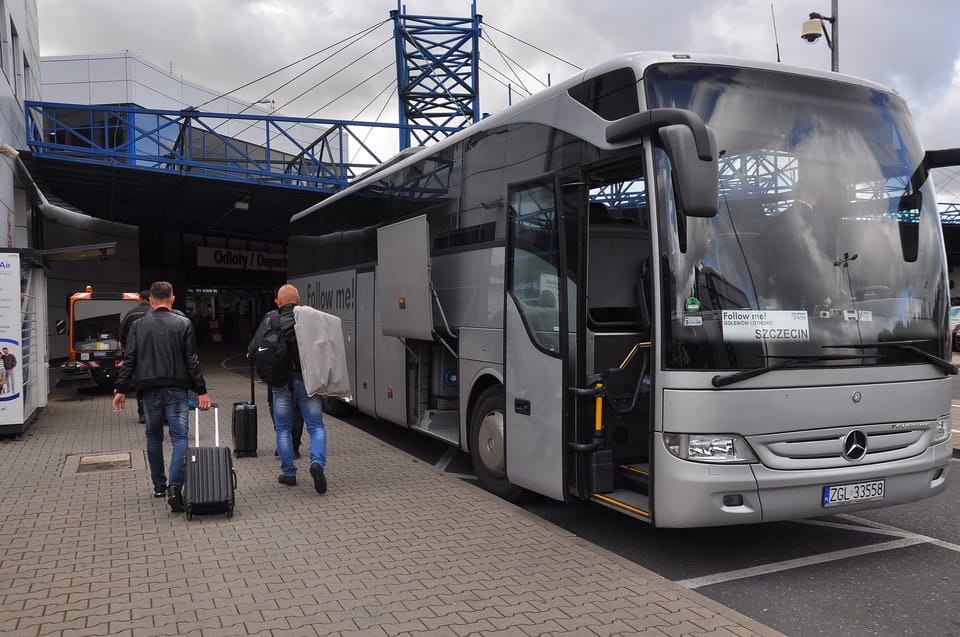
(220, 242)
(23, 319)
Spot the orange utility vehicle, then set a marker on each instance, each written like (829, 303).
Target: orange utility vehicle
(96, 352)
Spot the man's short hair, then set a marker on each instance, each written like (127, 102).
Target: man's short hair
(144, 296)
(161, 290)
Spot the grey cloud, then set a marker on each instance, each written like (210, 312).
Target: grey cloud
(223, 44)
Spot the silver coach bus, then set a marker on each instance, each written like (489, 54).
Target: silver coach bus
(697, 290)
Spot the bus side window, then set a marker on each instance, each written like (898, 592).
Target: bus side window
(534, 251)
(618, 262)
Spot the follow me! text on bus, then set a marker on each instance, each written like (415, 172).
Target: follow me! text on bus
(697, 290)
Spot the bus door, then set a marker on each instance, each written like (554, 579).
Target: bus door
(534, 350)
(617, 335)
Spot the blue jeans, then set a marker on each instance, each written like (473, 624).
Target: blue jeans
(312, 409)
(169, 403)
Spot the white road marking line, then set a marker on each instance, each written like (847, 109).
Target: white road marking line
(906, 538)
(224, 364)
(776, 567)
(445, 459)
(878, 527)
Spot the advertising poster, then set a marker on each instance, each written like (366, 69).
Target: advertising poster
(11, 389)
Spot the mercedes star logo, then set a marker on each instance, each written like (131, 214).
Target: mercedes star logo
(855, 445)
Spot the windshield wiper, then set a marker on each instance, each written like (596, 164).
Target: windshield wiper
(906, 346)
(736, 377)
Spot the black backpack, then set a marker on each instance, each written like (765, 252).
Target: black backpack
(269, 350)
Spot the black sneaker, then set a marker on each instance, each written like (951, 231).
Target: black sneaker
(160, 493)
(141, 419)
(319, 480)
(290, 481)
(175, 500)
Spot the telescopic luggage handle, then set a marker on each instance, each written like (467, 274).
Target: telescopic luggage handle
(253, 396)
(216, 425)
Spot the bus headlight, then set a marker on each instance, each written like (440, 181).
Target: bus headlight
(942, 431)
(718, 448)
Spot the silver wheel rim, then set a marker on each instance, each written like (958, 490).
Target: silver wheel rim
(490, 443)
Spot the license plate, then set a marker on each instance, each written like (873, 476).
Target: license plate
(840, 494)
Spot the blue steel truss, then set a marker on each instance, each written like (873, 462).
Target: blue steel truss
(282, 151)
(949, 212)
(773, 174)
(313, 153)
(438, 82)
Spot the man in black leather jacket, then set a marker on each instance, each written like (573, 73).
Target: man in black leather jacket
(161, 361)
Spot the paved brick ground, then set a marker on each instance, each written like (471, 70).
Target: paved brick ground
(394, 548)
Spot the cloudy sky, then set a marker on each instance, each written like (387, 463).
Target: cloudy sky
(223, 44)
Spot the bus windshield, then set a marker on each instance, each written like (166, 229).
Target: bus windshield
(827, 232)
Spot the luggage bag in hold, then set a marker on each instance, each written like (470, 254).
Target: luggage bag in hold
(209, 481)
(245, 424)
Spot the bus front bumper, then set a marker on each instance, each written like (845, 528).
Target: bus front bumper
(690, 494)
(786, 495)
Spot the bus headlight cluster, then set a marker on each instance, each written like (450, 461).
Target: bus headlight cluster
(942, 430)
(718, 448)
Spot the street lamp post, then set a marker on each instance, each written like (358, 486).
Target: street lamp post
(813, 27)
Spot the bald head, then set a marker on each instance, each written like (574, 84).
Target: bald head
(288, 294)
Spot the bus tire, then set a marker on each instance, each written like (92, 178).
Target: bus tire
(335, 407)
(487, 445)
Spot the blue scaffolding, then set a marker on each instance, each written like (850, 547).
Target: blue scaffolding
(438, 61)
(293, 152)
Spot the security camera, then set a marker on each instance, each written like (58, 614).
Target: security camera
(811, 31)
(103, 254)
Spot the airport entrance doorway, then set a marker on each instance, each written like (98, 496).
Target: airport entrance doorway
(226, 314)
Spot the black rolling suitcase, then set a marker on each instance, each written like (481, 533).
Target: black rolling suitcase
(209, 480)
(245, 424)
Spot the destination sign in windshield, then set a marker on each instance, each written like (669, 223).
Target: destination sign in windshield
(765, 325)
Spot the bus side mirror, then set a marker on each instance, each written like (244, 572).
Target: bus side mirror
(692, 150)
(942, 158)
(61, 326)
(695, 180)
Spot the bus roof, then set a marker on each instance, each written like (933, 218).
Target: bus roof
(639, 61)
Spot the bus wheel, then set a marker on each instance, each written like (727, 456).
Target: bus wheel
(335, 407)
(487, 445)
